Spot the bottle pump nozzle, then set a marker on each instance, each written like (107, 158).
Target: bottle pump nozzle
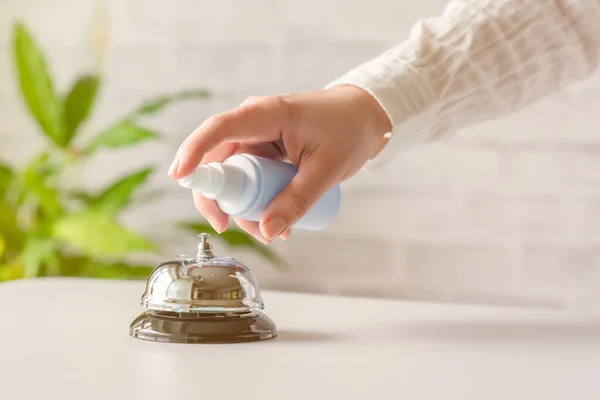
(216, 181)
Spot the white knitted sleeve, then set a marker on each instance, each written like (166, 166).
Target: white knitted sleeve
(479, 60)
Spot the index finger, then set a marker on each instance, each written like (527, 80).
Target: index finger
(261, 121)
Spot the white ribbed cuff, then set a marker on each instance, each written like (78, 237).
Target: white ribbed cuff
(403, 94)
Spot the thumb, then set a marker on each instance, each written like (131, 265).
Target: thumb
(311, 183)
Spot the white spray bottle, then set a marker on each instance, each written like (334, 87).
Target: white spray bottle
(244, 185)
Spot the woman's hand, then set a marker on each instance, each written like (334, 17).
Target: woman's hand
(328, 134)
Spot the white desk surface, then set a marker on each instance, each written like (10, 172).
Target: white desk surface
(69, 339)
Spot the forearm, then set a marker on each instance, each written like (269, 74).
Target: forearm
(481, 59)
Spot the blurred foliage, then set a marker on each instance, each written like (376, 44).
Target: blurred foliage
(48, 227)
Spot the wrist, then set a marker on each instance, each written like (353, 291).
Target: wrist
(374, 119)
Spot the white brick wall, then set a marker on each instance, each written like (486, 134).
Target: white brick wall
(506, 212)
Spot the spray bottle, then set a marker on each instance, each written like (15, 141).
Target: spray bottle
(244, 185)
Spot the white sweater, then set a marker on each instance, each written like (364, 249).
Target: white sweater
(481, 59)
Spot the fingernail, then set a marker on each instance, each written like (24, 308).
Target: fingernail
(216, 226)
(273, 228)
(174, 166)
(262, 239)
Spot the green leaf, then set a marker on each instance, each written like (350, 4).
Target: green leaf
(36, 84)
(47, 197)
(124, 133)
(71, 265)
(157, 104)
(41, 165)
(53, 265)
(88, 267)
(119, 194)
(2, 246)
(6, 177)
(117, 271)
(238, 238)
(83, 196)
(36, 251)
(11, 270)
(98, 234)
(77, 105)
(9, 227)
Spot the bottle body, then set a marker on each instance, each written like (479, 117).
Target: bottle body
(263, 180)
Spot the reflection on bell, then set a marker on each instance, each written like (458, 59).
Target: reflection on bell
(205, 299)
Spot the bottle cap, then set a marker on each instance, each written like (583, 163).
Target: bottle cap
(199, 180)
(216, 181)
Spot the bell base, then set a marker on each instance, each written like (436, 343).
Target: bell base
(171, 327)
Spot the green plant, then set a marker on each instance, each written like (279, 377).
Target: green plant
(50, 225)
